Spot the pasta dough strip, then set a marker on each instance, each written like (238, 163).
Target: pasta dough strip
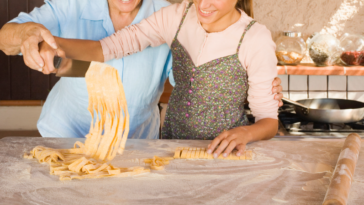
(201, 153)
(107, 136)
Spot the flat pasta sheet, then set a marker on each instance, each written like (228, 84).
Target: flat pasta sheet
(107, 137)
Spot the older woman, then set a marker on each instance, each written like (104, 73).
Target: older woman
(65, 112)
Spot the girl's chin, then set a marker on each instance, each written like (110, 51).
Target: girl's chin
(205, 20)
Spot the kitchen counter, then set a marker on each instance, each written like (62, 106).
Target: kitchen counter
(283, 171)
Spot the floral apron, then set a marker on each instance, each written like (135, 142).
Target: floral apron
(206, 99)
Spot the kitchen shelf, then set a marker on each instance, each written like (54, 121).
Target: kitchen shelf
(21, 102)
(311, 69)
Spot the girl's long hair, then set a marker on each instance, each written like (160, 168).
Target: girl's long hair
(246, 6)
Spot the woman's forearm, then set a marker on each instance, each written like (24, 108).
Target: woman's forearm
(10, 39)
(264, 129)
(85, 50)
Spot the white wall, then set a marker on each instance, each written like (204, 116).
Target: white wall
(19, 118)
(308, 16)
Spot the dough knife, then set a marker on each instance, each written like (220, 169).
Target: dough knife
(75, 68)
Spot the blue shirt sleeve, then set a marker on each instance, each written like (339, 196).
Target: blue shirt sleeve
(169, 64)
(49, 15)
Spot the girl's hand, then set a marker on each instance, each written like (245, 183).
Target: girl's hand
(227, 141)
(48, 53)
(277, 89)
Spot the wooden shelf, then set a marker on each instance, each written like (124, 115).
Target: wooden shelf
(21, 102)
(311, 69)
(164, 98)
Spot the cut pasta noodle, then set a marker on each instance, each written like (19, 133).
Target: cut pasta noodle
(107, 136)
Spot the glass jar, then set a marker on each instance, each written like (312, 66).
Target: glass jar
(291, 48)
(352, 46)
(324, 49)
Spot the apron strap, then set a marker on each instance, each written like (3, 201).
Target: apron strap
(242, 37)
(183, 18)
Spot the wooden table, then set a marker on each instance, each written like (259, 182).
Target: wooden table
(281, 170)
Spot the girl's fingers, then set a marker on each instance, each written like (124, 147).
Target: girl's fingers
(61, 53)
(230, 148)
(278, 96)
(241, 149)
(279, 88)
(216, 141)
(280, 104)
(223, 144)
(276, 81)
(229, 139)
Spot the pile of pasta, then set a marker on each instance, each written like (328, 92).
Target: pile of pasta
(107, 136)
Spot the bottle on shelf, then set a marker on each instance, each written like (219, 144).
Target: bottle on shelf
(290, 48)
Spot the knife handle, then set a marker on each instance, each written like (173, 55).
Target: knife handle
(57, 62)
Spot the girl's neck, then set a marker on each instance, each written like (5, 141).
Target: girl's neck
(222, 23)
(122, 19)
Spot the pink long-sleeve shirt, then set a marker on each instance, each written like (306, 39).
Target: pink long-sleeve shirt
(256, 54)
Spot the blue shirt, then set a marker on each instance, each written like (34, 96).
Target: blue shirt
(143, 74)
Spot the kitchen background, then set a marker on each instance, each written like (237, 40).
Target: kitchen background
(22, 91)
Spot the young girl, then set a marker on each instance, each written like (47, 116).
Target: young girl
(220, 56)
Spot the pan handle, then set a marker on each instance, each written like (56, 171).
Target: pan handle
(305, 109)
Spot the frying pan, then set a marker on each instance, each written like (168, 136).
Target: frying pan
(328, 110)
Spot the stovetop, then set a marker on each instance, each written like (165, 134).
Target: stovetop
(292, 124)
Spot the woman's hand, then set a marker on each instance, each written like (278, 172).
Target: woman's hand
(227, 141)
(277, 89)
(25, 38)
(47, 53)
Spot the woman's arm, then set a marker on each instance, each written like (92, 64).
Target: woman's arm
(153, 31)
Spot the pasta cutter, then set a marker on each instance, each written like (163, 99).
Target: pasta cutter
(74, 68)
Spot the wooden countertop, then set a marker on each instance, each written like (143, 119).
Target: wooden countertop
(285, 171)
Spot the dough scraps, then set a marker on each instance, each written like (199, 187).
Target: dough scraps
(200, 153)
(107, 136)
(157, 163)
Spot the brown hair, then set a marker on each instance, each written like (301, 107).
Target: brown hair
(246, 6)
